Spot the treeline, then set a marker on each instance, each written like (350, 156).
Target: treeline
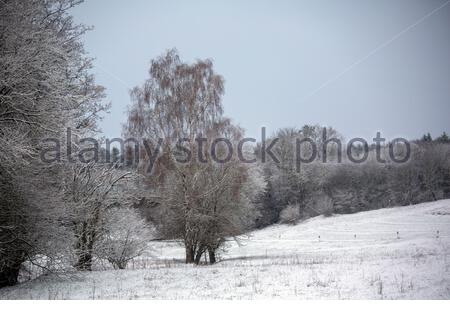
(328, 187)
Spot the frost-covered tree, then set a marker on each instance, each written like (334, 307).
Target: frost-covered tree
(301, 186)
(45, 86)
(124, 235)
(290, 215)
(91, 191)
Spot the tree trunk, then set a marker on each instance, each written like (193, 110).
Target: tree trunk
(198, 256)
(9, 275)
(84, 262)
(433, 195)
(86, 240)
(189, 254)
(84, 250)
(212, 256)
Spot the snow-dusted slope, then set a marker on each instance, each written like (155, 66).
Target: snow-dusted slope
(357, 256)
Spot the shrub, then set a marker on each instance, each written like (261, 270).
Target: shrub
(125, 237)
(290, 214)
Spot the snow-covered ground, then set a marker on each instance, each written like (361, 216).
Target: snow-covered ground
(358, 256)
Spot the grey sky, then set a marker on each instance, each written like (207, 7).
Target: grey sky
(275, 55)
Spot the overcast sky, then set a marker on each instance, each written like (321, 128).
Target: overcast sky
(359, 66)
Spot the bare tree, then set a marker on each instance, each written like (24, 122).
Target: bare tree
(181, 104)
(124, 236)
(91, 190)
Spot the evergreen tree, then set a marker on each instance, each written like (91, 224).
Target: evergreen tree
(443, 138)
(427, 138)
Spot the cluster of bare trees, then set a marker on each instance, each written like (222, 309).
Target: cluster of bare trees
(200, 201)
(327, 187)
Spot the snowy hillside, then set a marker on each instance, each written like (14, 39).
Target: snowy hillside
(398, 253)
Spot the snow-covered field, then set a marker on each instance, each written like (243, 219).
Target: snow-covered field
(358, 256)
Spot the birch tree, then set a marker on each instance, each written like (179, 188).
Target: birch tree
(181, 104)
